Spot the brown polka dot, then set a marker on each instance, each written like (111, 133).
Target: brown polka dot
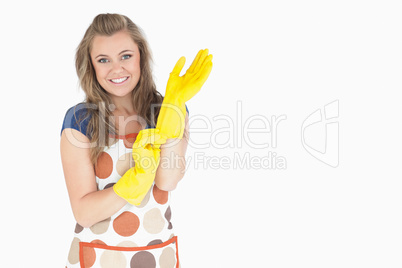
(155, 242)
(143, 259)
(89, 256)
(74, 254)
(126, 224)
(109, 185)
(144, 201)
(113, 259)
(104, 166)
(167, 258)
(99, 242)
(78, 228)
(160, 196)
(100, 227)
(153, 221)
(124, 163)
(168, 214)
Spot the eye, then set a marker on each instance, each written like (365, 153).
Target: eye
(102, 60)
(125, 57)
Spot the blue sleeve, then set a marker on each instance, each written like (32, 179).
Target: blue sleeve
(76, 118)
(187, 110)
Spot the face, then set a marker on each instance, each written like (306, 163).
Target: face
(116, 60)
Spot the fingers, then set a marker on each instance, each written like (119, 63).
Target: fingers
(198, 63)
(204, 55)
(146, 149)
(195, 61)
(179, 66)
(149, 136)
(206, 70)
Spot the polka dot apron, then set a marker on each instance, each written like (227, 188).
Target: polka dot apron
(134, 237)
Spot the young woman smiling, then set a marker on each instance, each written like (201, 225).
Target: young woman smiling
(113, 142)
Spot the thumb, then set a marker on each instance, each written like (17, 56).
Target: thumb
(179, 66)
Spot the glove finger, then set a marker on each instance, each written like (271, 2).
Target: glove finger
(205, 71)
(199, 79)
(140, 142)
(196, 59)
(147, 157)
(179, 66)
(148, 138)
(143, 137)
(199, 63)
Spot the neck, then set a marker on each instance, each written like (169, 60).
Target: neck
(123, 105)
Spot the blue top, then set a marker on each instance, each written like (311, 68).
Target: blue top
(78, 112)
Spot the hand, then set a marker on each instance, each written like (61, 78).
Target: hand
(183, 88)
(136, 182)
(171, 119)
(146, 149)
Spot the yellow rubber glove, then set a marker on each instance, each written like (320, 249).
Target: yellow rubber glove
(136, 182)
(179, 90)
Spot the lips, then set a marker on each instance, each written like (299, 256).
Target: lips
(119, 80)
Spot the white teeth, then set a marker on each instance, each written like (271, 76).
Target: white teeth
(119, 80)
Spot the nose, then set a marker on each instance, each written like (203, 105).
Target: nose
(117, 67)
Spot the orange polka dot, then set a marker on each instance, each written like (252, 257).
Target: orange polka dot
(129, 140)
(99, 242)
(104, 166)
(126, 224)
(160, 196)
(89, 256)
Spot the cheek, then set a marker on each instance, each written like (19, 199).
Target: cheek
(100, 73)
(136, 66)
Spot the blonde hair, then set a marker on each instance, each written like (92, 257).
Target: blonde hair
(144, 96)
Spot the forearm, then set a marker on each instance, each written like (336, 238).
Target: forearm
(97, 206)
(172, 165)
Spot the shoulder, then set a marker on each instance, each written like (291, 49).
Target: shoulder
(77, 117)
(187, 109)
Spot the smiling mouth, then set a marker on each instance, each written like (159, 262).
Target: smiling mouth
(118, 80)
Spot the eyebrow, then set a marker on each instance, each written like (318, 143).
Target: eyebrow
(103, 55)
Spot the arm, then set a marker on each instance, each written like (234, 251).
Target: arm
(88, 204)
(173, 119)
(170, 125)
(172, 163)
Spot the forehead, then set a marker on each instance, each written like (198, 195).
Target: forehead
(114, 44)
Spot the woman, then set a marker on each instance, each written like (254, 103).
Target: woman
(113, 145)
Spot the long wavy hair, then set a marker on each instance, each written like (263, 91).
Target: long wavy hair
(145, 98)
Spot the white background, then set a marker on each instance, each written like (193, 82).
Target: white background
(275, 58)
